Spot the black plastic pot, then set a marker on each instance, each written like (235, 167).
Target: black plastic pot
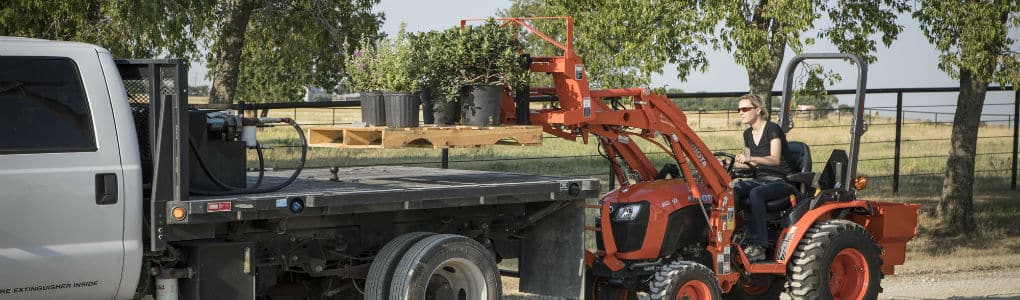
(445, 112)
(401, 110)
(427, 113)
(483, 105)
(373, 109)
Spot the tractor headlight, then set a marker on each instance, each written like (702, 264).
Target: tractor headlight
(627, 212)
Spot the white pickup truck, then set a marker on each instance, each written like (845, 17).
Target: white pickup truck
(99, 201)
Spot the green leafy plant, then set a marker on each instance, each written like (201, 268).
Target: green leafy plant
(489, 54)
(395, 63)
(436, 63)
(361, 67)
(387, 64)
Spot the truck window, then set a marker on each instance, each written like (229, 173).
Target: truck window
(43, 107)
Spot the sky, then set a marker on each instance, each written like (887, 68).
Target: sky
(910, 61)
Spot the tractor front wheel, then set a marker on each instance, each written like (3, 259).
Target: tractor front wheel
(684, 280)
(837, 259)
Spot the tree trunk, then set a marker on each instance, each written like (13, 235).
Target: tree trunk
(956, 207)
(762, 75)
(227, 55)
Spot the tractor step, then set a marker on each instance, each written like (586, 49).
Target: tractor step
(424, 137)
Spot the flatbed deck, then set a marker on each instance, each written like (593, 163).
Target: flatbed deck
(385, 188)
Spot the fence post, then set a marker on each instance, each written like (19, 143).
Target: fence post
(333, 111)
(896, 152)
(446, 158)
(1016, 134)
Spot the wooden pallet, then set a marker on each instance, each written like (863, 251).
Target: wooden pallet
(424, 137)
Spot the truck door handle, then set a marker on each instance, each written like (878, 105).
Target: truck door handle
(106, 189)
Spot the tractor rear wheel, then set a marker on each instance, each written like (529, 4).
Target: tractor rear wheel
(684, 280)
(837, 259)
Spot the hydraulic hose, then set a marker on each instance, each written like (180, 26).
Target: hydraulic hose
(256, 190)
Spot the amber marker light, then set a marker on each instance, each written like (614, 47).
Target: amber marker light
(179, 213)
(860, 182)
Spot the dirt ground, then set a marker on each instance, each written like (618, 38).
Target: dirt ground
(992, 284)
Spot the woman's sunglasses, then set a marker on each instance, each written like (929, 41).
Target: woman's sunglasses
(745, 109)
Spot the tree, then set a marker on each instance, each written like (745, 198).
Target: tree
(270, 50)
(635, 39)
(127, 28)
(973, 38)
(617, 40)
(259, 49)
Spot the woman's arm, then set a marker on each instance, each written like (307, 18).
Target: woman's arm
(775, 149)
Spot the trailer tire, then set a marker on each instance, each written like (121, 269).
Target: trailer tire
(446, 266)
(684, 280)
(377, 285)
(837, 259)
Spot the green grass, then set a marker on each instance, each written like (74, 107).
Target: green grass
(925, 145)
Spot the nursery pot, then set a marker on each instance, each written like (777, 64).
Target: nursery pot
(373, 109)
(401, 110)
(445, 112)
(482, 105)
(427, 113)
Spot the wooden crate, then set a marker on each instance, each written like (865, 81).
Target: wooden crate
(424, 137)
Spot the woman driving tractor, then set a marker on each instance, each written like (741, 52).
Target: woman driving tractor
(765, 149)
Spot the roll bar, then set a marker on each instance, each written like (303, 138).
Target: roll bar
(857, 126)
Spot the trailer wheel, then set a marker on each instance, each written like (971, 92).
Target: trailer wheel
(768, 287)
(377, 285)
(684, 280)
(446, 266)
(837, 259)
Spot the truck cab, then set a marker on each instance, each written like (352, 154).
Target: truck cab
(71, 176)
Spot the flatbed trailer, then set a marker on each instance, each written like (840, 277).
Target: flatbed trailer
(386, 189)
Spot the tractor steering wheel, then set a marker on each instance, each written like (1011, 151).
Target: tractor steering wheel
(728, 160)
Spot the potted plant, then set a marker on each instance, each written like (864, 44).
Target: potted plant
(384, 72)
(437, 65)
(490, 64)
(397, 76)
(361, 67)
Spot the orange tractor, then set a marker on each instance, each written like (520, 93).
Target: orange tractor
(674, 231)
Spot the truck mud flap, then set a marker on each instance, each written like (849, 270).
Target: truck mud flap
(222, 270)
(552, 254)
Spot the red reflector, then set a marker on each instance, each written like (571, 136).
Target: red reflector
(218, 206)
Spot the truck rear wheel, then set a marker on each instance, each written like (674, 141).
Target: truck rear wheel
(837, 259)
(377, 285)
(684, 280)
(446, 266)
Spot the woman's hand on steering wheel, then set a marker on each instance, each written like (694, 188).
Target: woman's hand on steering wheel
(728, 160)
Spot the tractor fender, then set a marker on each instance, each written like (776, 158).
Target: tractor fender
(793, 234)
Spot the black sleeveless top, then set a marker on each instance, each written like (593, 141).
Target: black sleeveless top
(771, 131)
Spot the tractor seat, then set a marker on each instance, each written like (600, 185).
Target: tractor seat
(798, 157)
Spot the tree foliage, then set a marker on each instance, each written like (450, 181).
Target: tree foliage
(623, 42)
(129, 29)
(257, 49)
(975, 48)
(292, 44)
